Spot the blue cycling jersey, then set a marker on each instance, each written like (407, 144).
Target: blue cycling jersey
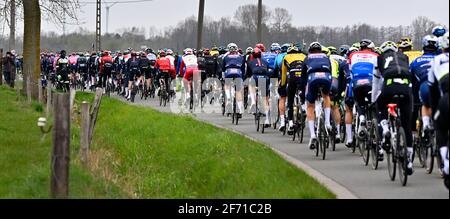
(420, 66)
(270, 58)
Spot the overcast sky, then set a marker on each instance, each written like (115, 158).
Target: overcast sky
(164, 13)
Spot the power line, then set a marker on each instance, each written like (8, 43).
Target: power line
(117, 2)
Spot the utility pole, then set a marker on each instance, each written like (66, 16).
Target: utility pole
(98, 27)
(107, 15)
(12, 26)
(201, 13)
(259, 30)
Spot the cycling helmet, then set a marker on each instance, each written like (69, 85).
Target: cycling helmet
(63, 53)
(188, 51)
(293, 49)
(443, 41)
(389, 45)
(169, 52)
(326, 51)
(275, 47)
(143, 54)
(240, 51)
(439, 31)
(405, 42)
(206, 52)
(133, 54)
(367, 44)
(357, 45)
(261, 47)
(378, 50)
(232, 47)
(343, 50)
(285, 47)
(214, 48)
(430, 42)
(105, 53)
(162, 53)
(352, 49)
(333, 50)
(249, 50)
(257, 52)
(315, 46)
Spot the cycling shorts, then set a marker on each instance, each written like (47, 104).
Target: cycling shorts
(315, 81)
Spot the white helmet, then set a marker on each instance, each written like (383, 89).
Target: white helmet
(169, 52)
(232, 47)
(443, 41)
(188, 51)
(389, 45)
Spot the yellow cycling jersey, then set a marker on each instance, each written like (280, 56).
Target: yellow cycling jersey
(334, 68)
(412, 55)
(289, 59)
(213, 53)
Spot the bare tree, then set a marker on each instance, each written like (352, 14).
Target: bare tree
(281, 20)
(247, 17)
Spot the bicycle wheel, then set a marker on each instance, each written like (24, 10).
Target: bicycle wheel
(323, 140)
(302, 126)
(332, 137)
(373, 141)
(430, 153)
(402, 156)
(391, 162)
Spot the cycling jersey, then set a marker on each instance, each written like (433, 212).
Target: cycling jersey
(316, 72)
(189, 65)
(412, 55)
(278, 65)
(106, 64)
(270, 58)
(291, 67)
(420, 68)
(233, 66)
(439, 72)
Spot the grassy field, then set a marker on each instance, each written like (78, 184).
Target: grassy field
(157, 155)
(25, 159)
(140, 153)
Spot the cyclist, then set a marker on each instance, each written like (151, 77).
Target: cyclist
(420, 68)
(73, 63)
(82, 67)
(282, 88)
(363, 65)
(291, 75)
(211, 64)
(189, 66)
(106, 66)
(258, 69)
(214, 51)
(92, 69)
(133, 71)
(339, 70)
(316, 73)
(62, 69)
(438, 78)
(343, 50)
(405, 45)
(233, 67)
(145, 68)
(165, 69)
(394, 78)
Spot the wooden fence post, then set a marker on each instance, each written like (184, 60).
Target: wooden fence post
(72, 98)
(94, 113)
(49, 100)
(84, 132)
(59, 187)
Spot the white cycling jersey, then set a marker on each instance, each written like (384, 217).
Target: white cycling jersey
(439, 68)
(190, 61)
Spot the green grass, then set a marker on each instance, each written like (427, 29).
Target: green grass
(25, 159)
(158, 155)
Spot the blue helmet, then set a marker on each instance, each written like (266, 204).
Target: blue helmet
(285, 47)
(439, 31)
(275, 47)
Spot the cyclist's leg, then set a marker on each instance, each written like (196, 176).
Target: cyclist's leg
(253, 82)
(349, 102)
(426, 105)
(326, 87)
(239, 94)
(292, 88)
(405, 107)
(282, 92)
(311, 96)
(442, 129)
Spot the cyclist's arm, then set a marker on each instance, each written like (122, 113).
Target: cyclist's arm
(304, 76)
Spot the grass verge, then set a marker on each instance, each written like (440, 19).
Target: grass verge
(25, 156)
(158, 155)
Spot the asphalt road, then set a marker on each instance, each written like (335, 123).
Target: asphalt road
(341, 166)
